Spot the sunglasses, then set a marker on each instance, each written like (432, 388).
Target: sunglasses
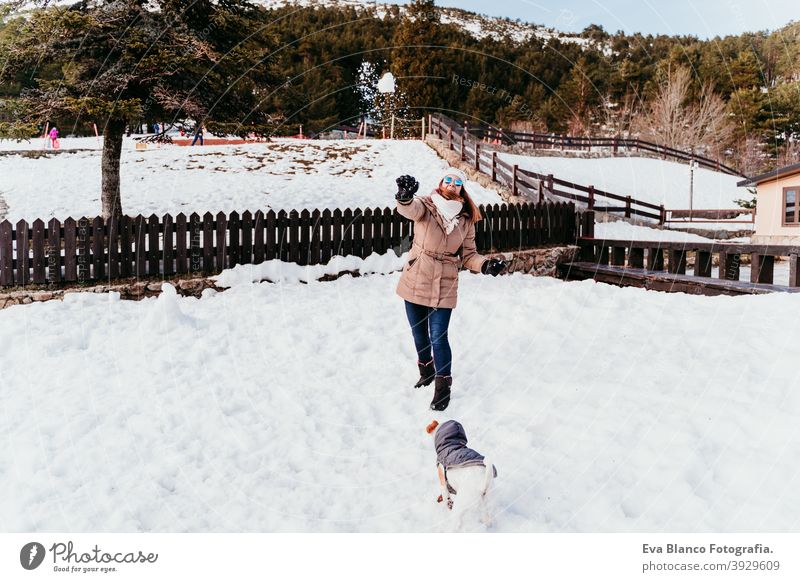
(448, 179)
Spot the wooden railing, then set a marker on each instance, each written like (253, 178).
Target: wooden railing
(531, 184)
(671, 257)
(615, 144)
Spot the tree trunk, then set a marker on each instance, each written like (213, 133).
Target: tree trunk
(112, 151)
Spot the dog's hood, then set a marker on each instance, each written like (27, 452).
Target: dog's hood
(450, 442)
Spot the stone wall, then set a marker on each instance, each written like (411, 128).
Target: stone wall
(540, 262)
(132, 291)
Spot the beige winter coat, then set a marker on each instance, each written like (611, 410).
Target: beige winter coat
(430, 277)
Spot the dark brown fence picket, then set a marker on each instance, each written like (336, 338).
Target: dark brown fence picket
(98, 259)
(347, 233)
(208, 242)
(294, 237)
(327, 236)
(6, 254)
(113, 247)
(316, 238)
(366, 233)
(70, 250)
(153, 256)
(167, 250)
(195, 254)
(140, 239)
(234, 246)
(358, 232)
(337, 244)
(181, 251)
(84, 250)
(271, 229)
(259, 244)
(53, 253)
(281, 236)
(126, 242)
(37, 245)
(220, 244)
(246, 252)
(23, 246)
(304, 225)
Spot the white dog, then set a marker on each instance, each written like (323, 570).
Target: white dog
(462, 472)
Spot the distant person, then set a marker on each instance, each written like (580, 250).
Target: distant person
(155, 128)
(198, 134)
(54, 143)
(444, 242)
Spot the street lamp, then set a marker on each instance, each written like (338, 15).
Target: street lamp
(692, 165)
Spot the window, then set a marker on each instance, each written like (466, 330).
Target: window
(791, 204)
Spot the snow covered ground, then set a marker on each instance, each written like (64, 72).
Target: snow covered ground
(288, 407)
(284, 174)
(655, 181)
(620, 230)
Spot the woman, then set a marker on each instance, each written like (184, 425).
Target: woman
(444, 241)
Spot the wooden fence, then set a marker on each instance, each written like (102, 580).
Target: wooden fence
(685, 216)
(86, 250)
(615, 144)
(632, 262)
(531, 184)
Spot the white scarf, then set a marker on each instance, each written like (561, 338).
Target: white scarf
(448, 210)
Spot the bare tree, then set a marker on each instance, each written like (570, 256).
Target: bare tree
(617, 118)
(670, 118)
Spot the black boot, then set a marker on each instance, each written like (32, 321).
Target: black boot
(441, 397)
(426, 374)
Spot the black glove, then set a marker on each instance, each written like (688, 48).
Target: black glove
(493, 267)
(407, 186)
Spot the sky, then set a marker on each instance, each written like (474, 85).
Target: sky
(704, 19)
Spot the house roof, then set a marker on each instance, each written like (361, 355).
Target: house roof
(771, 175)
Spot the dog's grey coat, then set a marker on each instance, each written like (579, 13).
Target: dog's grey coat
(451, 447)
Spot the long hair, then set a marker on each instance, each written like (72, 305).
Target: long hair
(469, 209)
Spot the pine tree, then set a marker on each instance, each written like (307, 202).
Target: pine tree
(418, 67)
(124, 60)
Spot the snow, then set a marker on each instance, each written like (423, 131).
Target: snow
(744, 223)
(284, 174)
(620, 230)
(67, 143)
(650, 180)
(478, 25)
(386, 83)
(288, 407)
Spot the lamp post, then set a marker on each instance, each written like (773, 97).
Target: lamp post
(692, 165)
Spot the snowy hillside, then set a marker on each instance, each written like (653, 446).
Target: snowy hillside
(285, 174)
(272, 420)
(478, 25)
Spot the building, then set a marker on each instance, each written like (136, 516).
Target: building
(777, 206)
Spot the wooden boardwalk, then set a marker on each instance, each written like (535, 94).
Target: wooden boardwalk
(664, 281)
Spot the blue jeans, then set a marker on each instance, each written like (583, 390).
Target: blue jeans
(429, 328)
